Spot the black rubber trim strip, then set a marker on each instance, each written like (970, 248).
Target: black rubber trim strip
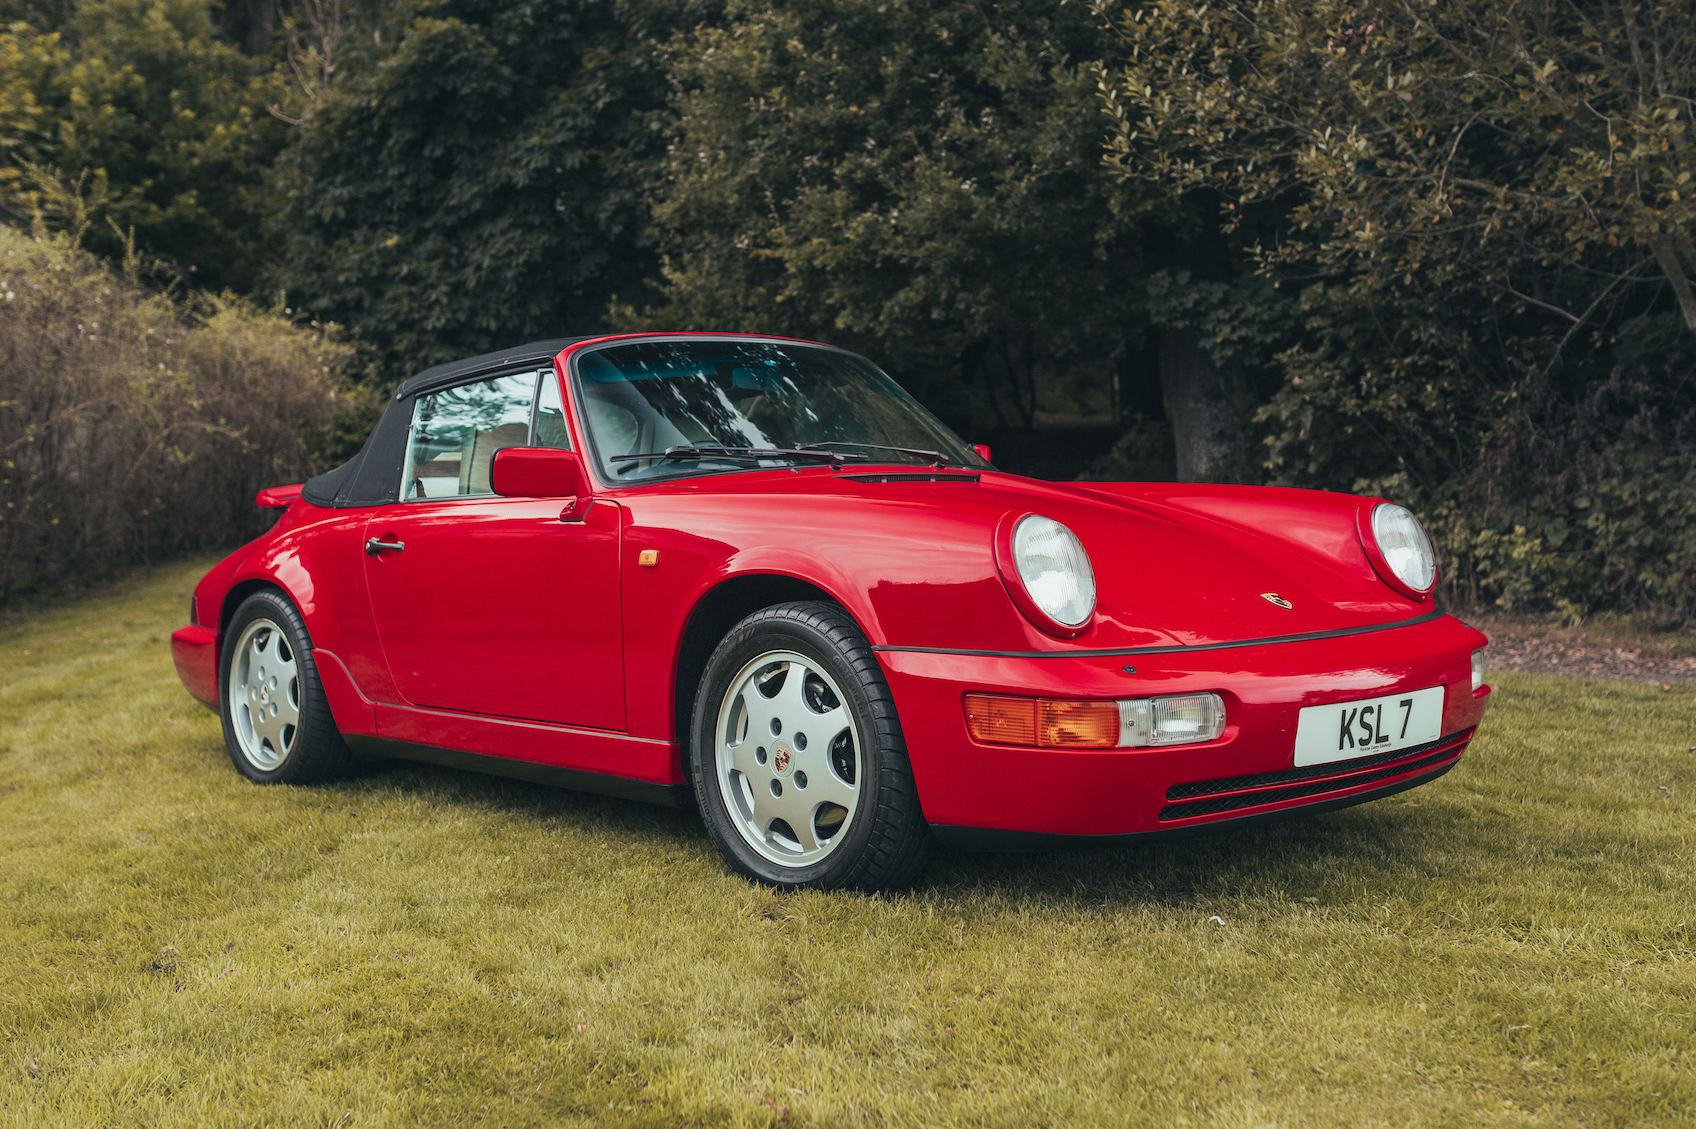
(1180, 649)
(669, 795)
(961, 838)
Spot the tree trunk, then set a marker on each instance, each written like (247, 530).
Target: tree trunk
(1667, 257)
(1202, 402)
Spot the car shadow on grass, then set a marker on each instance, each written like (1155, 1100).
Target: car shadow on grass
(1367, 850)
(1335, 856)
(435, 784)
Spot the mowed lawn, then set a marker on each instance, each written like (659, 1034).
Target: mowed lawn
(1511, 945)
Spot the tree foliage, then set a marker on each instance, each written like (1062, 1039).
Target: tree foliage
(919, 178)
(1485, 207)
(476, 178)
(1439, 250)
(1487, 142)
(158, 121)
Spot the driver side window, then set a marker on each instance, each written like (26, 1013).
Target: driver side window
(456, 432)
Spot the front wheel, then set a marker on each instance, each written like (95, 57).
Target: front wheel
(799, 764)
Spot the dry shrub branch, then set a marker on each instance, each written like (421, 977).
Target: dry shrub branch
(134, 428)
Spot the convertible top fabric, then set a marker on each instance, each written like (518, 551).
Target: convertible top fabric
(451, 372)
(372, 477)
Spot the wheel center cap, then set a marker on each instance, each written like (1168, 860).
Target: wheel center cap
(264, 695)
(780, 758)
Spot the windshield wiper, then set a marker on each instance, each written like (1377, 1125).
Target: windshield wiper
(740, 454)
(935, 458)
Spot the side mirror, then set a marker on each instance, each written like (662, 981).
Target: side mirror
(540, 472)
(983, 451)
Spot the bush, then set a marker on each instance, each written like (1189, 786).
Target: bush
(134, 428)
(1576, 501)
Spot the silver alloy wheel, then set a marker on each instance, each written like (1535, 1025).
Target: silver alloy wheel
(264, 694)
(788, 758)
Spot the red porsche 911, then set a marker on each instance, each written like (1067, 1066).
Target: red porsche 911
(754, 575)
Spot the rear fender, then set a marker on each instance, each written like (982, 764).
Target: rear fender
(316, 558)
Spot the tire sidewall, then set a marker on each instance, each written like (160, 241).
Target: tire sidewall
(745, 642)
(273, 606)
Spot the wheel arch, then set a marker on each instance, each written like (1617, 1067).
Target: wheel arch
(719, 609)
(240, 591)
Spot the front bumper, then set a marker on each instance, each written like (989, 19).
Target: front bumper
(973, 793)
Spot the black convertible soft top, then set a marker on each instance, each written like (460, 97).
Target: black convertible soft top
(372, 477)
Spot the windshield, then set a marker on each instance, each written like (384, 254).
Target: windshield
(768, 398)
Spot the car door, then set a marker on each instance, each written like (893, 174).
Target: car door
(491, 605)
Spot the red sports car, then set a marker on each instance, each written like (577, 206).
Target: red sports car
(755, 575)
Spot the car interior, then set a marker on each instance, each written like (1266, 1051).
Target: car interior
(457, 431)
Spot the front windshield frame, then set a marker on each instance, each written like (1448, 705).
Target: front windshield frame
(963, 458)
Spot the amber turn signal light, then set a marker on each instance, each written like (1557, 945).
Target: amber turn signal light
(1076, 725)
(1051, 723)
(998, 720)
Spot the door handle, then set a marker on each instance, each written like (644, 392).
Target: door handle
(374, 546)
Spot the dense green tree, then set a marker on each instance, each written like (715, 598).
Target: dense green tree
(158, 120)
(1475, 189)
(43, 15)
(1485, 206)
(1463, 139)
(476, 177)
(921, 179)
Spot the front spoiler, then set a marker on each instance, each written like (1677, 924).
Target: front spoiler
(993, 839)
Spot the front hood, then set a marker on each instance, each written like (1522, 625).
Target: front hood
(912, 554)
(1214, 564)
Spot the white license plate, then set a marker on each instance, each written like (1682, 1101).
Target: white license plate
(1370, 726)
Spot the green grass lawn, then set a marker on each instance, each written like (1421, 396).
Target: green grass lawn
(1510, 945)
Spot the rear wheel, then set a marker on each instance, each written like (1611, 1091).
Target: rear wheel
(277, 723)
(799, 764)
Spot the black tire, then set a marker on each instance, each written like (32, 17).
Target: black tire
(314, 751)
(884, 842)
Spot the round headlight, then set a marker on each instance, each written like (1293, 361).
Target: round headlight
(1405, 547)
(1055, 570)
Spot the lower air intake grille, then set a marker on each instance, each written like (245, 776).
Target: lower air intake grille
(1310, 772)
(1279, 795)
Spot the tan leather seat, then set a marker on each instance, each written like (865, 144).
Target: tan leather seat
(477, 460)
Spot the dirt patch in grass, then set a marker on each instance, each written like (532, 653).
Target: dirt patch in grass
(1508, 946)
(1604, 648)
